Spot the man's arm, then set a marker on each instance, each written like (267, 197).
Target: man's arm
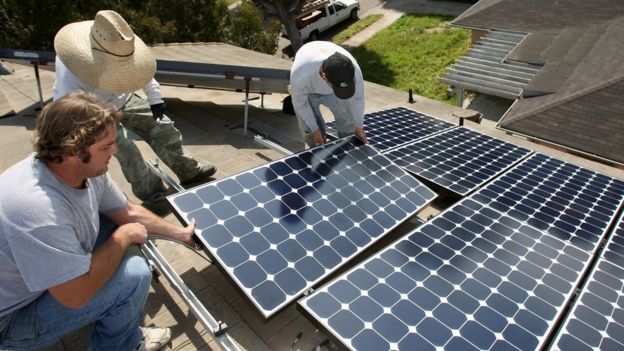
(153, 93)
(133, 213)
(104, 262)
(357, 105)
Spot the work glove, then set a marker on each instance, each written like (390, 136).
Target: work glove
(158, 110)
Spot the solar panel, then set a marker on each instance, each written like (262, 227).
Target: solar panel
(389, 128)
(470, 279)
(596, 321)
(565, 200)
(280, 228)
(458, 159)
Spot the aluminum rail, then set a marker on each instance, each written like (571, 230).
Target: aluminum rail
(271, 145)
(217, 328)
(192, 74)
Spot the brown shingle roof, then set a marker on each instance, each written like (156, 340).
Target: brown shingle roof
(592, 123)
(534, 15)
(573, 100)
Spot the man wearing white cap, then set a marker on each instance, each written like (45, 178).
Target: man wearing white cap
(325, 73)
(106, 58)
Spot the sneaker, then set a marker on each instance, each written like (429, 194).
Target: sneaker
(202, 177)
(154, 339)
(159, 206)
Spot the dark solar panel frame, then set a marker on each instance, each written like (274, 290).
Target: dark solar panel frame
(470, 279)
(458, 159)
(390, 128)
(596, 321)
(280, 228)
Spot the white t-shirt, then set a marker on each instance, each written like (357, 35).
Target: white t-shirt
(305, 80)
(66, 82)
(47, 230)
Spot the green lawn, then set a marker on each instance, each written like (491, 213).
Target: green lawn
(356, 27)
(412, 53)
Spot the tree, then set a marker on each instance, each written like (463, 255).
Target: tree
(245, 29)
(286, 11)
(32, 24)
(178, 21)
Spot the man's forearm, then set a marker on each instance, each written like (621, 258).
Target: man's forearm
(154, 224)
(104, 262)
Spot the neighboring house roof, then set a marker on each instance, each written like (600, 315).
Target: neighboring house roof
(536, 15)
(574, 99)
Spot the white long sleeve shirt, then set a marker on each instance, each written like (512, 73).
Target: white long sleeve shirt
(66, 82)
(305, 80)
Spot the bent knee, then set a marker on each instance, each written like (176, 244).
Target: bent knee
(136, 270)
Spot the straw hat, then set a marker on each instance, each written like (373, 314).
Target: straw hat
(105, 53)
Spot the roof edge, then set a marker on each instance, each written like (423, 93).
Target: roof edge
(578, 152)
(572, 97)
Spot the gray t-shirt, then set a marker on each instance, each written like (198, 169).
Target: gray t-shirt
(47, 230)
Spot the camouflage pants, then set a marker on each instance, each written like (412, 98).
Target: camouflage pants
(162, 137)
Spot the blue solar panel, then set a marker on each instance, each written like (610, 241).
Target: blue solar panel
(470, 279)
(280, 228)
(494, 272)
(390, 128)
(596, 321)
(565, 200)
(458, 159)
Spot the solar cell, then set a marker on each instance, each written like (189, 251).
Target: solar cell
(390, 128)
(458, 159)
(280, 228)
(567, 201)
(470, 279)
(596, 322)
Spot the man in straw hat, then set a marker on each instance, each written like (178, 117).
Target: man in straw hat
(106, 58)
(325, 73)
(65, 229)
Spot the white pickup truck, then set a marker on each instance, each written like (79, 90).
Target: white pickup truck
(324, 14)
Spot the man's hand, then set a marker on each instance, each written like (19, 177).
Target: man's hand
(186, 235)
(317, 137)
(135, 233)
(360, 133)
(158, 110)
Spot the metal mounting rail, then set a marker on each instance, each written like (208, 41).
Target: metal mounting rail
(271, 145)
(153, 165)
(218, 329)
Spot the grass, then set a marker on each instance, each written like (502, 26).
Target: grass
(412, 53)
(356, 27)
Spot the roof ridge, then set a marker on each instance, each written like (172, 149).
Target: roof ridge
(574, 96)
(476, 8)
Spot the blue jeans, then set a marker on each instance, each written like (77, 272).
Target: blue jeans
(116, 310)
(341, 109)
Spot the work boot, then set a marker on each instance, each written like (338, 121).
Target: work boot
(159, 206)
(4, 70)
(202, 177)
(154, 339)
